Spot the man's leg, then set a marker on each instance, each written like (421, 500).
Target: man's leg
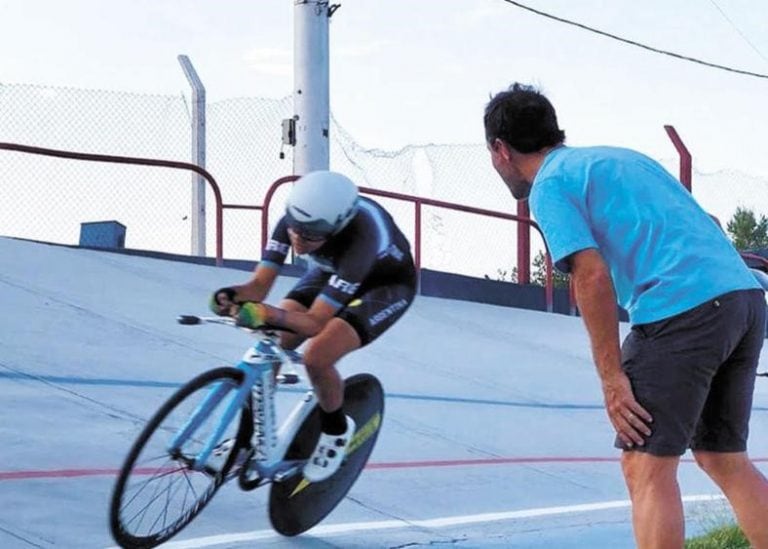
(746, 489)
(720, 441)
(657, 508)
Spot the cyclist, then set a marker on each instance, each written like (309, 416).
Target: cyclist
(360, 280)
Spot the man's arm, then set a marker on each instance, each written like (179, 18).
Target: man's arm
(596, 299)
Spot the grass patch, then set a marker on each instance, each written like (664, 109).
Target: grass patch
(724, 537)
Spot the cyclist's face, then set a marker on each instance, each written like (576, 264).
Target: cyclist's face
(302, 244)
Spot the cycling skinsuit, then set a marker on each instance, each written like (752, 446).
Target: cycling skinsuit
(366, 271)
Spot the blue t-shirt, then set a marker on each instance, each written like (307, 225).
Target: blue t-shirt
(666, 255)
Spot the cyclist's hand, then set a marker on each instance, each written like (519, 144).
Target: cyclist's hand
(251, 315)
(222, 301)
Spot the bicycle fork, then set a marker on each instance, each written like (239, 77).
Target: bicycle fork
(203, 412)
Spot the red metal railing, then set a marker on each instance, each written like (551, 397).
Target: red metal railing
(418, 202)
(685, 157)
(755, 261)
(524, 221)
(140, 162)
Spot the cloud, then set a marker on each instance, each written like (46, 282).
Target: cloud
(479, 15)
(270, 61)
(363, 49)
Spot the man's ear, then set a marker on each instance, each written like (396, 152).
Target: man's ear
(502, 148)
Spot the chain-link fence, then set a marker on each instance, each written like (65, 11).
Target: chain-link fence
(48, 198)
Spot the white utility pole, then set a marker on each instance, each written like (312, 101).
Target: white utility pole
(309, 128)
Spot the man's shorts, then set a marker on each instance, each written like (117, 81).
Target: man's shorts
(371, 311)
(695, 374)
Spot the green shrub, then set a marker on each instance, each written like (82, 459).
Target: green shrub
(725, 537)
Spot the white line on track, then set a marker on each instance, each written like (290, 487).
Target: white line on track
(346, 528)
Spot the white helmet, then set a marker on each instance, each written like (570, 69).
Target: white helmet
(321, 203)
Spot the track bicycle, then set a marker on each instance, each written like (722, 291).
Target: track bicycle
(222, 426)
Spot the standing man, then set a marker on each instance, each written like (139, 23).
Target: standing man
(684, 377)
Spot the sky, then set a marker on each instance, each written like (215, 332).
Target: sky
(91, 350)
(405, 72)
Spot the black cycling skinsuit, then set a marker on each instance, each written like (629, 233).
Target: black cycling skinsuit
(365, 271)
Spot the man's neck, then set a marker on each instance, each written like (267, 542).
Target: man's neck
(533, 162)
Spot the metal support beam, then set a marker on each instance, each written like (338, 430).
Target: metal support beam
(686, 168)
(197, 156)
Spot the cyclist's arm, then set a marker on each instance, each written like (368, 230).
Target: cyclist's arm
(306, 324)
(340, 290)
(272, 258)
(257, 288)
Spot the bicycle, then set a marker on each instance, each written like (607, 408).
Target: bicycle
(221, 426)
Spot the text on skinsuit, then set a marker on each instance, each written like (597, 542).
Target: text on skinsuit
(389, 311)
(344, 286)
(275, 246)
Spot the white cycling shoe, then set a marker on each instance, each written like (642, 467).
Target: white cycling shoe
(329, 453)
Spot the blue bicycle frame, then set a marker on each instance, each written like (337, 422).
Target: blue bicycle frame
(258, 366)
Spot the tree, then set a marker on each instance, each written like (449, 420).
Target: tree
(503, 275)
(539, 274)
(746, 231)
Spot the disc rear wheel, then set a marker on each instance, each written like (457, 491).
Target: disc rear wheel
(296, 505)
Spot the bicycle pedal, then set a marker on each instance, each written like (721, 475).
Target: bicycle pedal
(288, 379)
(282, 476)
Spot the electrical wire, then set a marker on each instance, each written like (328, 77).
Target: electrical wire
(633, 43)
(744, 36)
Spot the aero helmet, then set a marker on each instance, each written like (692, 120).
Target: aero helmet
(321, 204)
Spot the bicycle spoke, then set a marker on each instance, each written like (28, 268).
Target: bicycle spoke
(139, 488)
(142, 511)
(160, 490)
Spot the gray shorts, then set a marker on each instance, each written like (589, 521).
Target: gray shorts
(695, 374)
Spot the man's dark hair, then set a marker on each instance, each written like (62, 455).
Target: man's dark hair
(522, 117)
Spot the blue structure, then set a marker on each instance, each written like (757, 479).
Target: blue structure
(102, 234)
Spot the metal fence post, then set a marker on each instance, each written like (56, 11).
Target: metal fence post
(198, 156)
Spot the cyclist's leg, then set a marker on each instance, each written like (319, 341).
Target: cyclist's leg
(300, 299)
(364, 319)
(323, 351)
(376, 309)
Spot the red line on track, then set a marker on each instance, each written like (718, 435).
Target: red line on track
(78, 473)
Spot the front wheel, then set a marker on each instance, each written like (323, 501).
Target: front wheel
(157, 491)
